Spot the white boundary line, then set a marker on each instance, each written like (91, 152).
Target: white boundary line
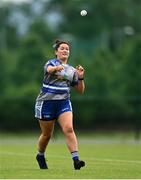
(65, 157)
(68, 179)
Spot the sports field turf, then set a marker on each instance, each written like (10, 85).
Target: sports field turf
(105, 159)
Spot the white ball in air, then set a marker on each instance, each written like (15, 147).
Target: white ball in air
(83, 13)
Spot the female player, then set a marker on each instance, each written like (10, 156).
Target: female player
(53, 102)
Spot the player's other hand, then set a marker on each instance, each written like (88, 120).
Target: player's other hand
(59, 68)
(80, 71)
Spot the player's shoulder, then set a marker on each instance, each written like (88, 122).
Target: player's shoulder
(53, 62)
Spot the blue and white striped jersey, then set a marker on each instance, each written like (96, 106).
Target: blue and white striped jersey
(56, 86)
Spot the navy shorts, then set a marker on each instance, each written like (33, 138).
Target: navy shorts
(51, 109)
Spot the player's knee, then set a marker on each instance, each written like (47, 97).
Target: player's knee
(46, 137)
(68, 130)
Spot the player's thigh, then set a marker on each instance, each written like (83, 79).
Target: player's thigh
(66, 120)
(47, 127)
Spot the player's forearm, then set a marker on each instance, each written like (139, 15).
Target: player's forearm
(51, 69)
(80, 86)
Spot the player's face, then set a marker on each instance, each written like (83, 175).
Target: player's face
(62, 52)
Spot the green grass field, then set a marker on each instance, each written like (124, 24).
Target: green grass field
(105, 158)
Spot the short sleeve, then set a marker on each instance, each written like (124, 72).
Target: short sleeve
(49, 63)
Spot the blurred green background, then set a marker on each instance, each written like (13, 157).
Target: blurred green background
(107, 42)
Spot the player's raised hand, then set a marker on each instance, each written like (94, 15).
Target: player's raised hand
(80, 71)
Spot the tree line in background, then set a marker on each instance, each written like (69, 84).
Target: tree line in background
(107, 42)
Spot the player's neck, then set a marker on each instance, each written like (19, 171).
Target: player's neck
(63, 61)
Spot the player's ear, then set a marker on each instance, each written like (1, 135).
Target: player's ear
(56, 52)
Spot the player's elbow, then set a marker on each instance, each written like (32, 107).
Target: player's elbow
(80, 91)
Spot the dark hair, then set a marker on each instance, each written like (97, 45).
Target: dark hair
(59, 42)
